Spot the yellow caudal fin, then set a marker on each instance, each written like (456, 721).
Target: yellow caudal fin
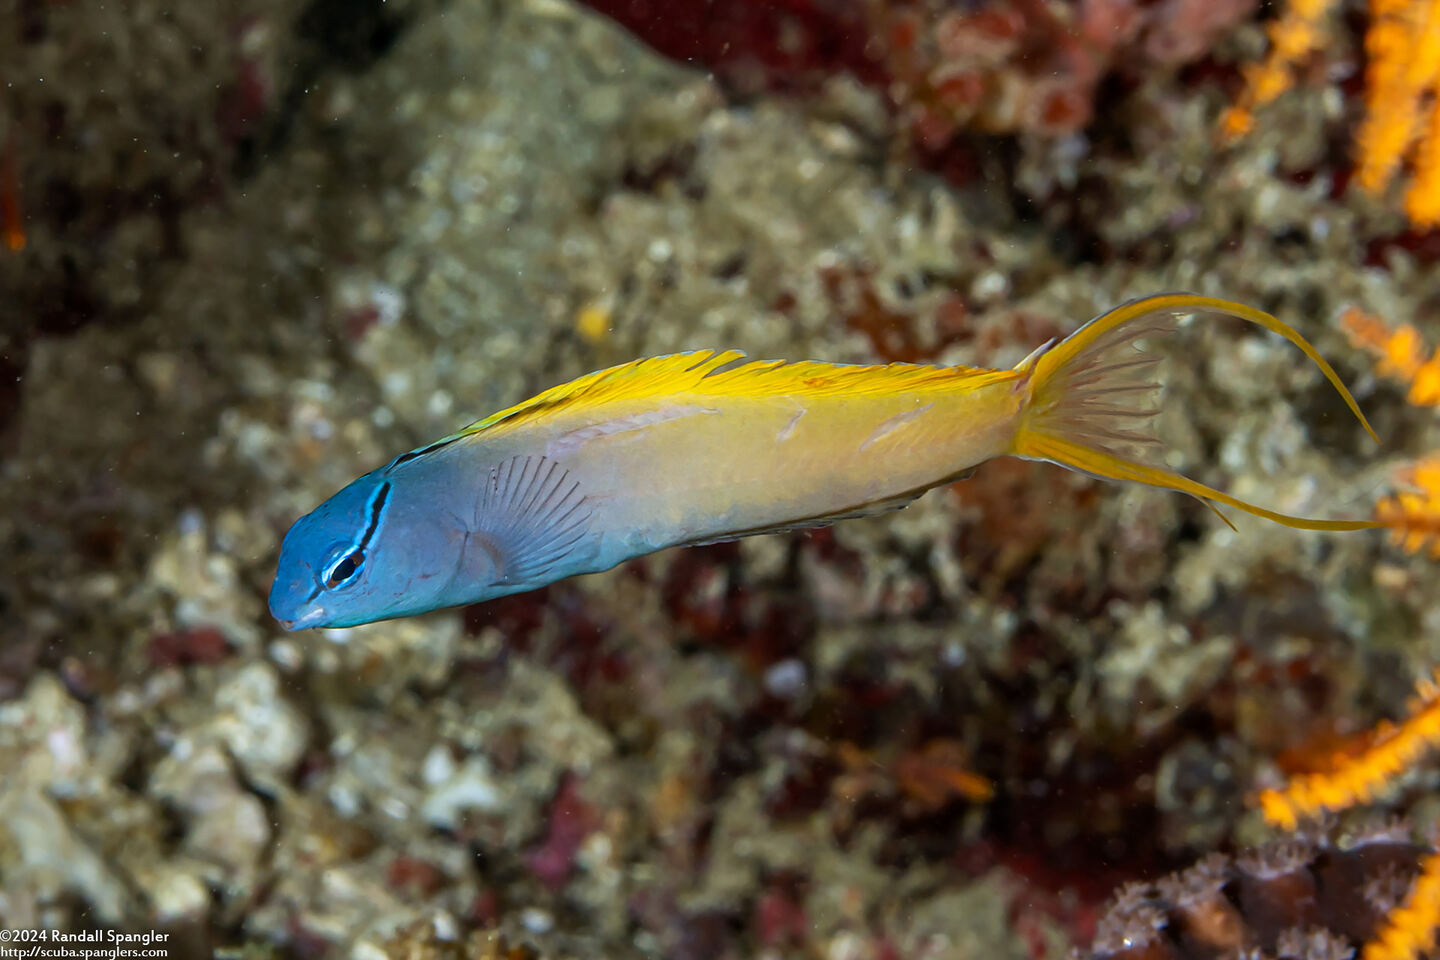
(1090, 394)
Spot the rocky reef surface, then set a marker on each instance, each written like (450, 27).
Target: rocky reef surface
(298, 241)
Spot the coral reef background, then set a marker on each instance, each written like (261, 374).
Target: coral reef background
(250, 253)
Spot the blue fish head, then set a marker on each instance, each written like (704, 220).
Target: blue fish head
(365, 554)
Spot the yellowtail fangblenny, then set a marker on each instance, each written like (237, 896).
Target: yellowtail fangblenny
(705, 446)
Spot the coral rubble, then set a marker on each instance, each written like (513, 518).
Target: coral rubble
(265, 251)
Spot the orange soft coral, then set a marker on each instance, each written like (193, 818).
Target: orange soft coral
(1403, 48)
(1422, 200)
(1402, 92)
(1401, 354)
(1294, 36)
(1355, 779)
(1409, 929)
(1413, 516)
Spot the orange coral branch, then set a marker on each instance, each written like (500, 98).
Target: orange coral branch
(1393, 84)
(1413, 517)
(1410, 928)
(1356, 779)
(1402, 47)
(1294, 36)
(1422, 200)
(1401, 354)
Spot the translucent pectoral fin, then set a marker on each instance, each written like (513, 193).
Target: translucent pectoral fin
(531, 521)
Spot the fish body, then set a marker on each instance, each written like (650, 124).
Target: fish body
(706, 446)
(709, 462)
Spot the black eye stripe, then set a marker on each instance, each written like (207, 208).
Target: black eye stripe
(349, 564)
(377, 506)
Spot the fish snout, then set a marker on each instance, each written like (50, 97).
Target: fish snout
(293, 599)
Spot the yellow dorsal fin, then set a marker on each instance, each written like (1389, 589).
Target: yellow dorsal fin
(726, 373)
(653, 376)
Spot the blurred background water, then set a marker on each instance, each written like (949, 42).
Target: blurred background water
(252, 250)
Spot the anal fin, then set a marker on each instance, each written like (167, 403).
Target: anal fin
(531, 518)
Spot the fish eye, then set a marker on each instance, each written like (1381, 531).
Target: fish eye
(344, 569)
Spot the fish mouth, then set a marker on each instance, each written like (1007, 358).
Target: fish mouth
(309, 619)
